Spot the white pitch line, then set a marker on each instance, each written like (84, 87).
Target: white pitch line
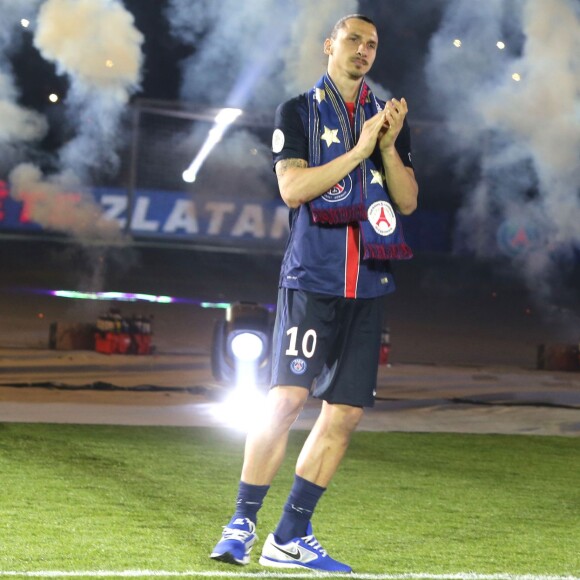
(306, 573)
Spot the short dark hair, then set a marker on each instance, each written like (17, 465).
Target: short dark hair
(340, 24)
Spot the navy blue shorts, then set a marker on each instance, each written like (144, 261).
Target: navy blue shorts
(328, 345)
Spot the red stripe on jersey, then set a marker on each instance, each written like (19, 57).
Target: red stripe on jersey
(351, 264)
(350, 109)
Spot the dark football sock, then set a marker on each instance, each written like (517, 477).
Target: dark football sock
(249, 501)
(298, 510)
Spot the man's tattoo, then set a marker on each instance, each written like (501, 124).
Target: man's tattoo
(285, 164)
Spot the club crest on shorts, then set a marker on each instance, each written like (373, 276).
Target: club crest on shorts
(340, 191)
(382, 217)
(298, 366)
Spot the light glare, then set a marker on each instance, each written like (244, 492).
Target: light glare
(25, 23)
(222, 121)
(227, 116)
(243, 409)
(457, 43)
(189, 176)
(500, 45)
(119, 296)
(53, 98)
(247, 347)
(222, 305)
(516, 77)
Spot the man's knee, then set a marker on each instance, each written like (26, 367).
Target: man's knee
(343, 419)
(285, 404)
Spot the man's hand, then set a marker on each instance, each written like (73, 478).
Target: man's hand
(370, 134)
(394, 113)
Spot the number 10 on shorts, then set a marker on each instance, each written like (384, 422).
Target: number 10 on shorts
(308, 342)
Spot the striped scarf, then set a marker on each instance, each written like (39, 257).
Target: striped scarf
(361, 196)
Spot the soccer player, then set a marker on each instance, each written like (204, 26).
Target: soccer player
(343, 163)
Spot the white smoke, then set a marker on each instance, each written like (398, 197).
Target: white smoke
(18, 125)
(236, 49)
(542, 115)
(251, 55)
(59, 202)
(16, 122)
(521, 134)
(304, 61)
(249, 173)
(95, 43)
(258, 52)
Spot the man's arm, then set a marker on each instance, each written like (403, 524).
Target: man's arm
(401, 182)
(300, 184)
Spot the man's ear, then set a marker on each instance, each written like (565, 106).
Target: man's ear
(328, 46)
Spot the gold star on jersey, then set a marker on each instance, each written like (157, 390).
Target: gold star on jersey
(330, 136)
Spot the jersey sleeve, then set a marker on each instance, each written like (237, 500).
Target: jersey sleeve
(403, 145)
(289, 140)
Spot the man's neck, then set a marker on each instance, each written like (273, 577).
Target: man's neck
(348, 88)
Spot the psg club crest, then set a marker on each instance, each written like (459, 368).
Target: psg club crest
(340, 191)
(298, 366)
(518, 237)
(382, 217)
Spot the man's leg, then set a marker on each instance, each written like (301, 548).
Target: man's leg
(317, 463)
(264, 453)
(266, 443)
(327, 443)
(293, 542)
(348, 334)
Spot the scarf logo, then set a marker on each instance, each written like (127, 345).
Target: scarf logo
(340, 191)
(382, 217)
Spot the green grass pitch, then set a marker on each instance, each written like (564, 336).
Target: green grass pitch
(110, 498)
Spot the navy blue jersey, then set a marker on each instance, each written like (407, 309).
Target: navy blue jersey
(326, 259)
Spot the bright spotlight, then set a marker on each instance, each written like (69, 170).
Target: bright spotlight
(227, 116)
(53, 98)
(188, 176)
(241, 345)
(222, 121)
(500, 45)
(25, 23)
(457, 43)
(247, 346)
(516, 77)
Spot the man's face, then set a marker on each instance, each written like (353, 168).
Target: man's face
(354, 49)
